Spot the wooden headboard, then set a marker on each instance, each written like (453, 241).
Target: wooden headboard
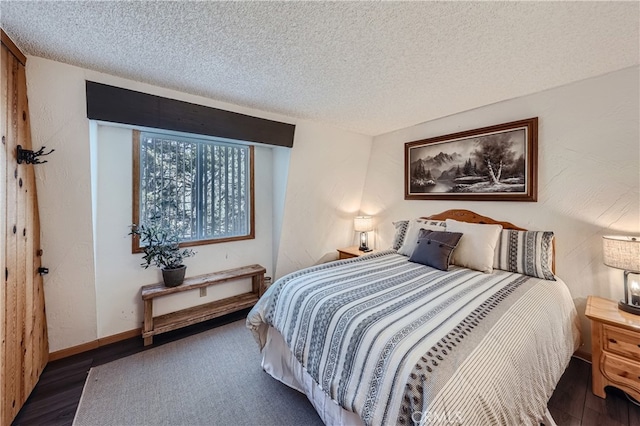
(471, 217)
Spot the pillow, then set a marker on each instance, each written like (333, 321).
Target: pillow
(401, 231)
(434, 248)
(411, 237)
(525, 252)
(477, 245)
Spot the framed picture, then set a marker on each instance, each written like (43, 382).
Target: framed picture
(496, 163)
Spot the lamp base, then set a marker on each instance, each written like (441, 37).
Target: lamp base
(364, 249)
(632, 309)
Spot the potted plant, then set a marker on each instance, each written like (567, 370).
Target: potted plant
(161, 247)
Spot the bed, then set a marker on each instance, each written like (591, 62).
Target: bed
(386, 339)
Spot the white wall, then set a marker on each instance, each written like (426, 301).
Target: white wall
(81, 307)
(324, 190)
(281, 157)
(588, 175)
(59, 121)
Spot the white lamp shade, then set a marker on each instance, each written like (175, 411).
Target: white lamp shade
(622, 252)
(363, 223)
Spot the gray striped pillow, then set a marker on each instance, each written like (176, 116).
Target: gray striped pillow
(525, 252)
(401, 231)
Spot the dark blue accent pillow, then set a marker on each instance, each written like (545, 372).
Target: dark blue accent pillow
(434, 248)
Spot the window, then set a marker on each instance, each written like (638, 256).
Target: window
(202, 188)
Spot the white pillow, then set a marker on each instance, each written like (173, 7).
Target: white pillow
(476, 248)
(411, 237)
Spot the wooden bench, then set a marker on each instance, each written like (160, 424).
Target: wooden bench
(184, 317)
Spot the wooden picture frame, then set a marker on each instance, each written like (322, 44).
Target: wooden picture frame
(495, 163)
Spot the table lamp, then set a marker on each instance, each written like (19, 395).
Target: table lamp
(624, 253)
(363, 224)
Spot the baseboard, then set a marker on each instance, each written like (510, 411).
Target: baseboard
(583, 355)
(95, 344)
(103, 341)
(74, 350)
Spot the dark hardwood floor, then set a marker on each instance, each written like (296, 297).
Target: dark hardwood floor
(56, 396)
(573, 403)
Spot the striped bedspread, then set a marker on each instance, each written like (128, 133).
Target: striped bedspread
(401, 343)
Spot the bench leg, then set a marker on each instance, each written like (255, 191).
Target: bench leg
(148, 321)
(257, 284)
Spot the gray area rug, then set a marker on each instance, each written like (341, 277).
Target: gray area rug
(212, 378)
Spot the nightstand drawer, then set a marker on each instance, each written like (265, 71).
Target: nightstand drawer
(623, 372)
(343, 255)
(615, 336)
(621, 342)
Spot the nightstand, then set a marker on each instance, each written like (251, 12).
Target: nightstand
(615, 340)
(349, 252)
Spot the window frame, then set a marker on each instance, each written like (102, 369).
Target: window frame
(135, 240)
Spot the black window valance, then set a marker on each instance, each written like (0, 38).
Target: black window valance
(117, 105)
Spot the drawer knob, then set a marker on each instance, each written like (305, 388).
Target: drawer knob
(614, 341)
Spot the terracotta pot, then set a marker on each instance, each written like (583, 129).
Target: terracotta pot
(173, 277)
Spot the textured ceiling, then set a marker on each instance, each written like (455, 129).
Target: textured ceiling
(370, 67)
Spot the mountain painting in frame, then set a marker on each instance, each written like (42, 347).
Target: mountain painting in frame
(495, 163)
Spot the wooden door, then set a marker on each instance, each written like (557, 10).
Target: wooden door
(23, 329)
